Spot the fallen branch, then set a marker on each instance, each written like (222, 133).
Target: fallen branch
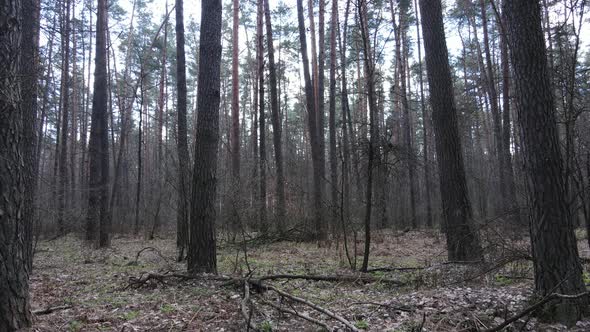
(258, 283)
(334, 278)
(390, 306)
(530, 309)
(393, 269)
(325, 311)
(50, 310)
(145, 278)
(245, 304)
(146, 249)
(300, 315)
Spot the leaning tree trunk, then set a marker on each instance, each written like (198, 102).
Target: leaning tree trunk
(462, 238)
(556, 261)
(14, 302)
(202, 251)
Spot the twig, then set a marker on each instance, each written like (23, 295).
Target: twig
(422, 323)
(49, 310)
(545, 300)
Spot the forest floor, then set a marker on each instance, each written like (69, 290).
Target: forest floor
(91, 288)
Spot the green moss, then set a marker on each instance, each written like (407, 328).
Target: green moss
(167, 308)
(75, 326)
(265, 326)
(502, 280)
(361, 324)
(130, 315)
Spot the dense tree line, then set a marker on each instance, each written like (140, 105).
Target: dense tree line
(112, 121)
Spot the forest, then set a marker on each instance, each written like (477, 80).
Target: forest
(291, 165)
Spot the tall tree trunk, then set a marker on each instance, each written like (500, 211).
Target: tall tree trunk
(462, 238)
(332, 117)
(261, 114)
(313, 132)
(65, 110)
(510, 199)
(98, 221)
(235, 120)
(84, 169)
(139, 153)
(73, 192)
(182, 140)
(425, 127)
(410, 158)
(160, 125)
(556, 261)
(202, 250)
(276, 123)
(493, 96)
(320, 114)
(30, 67)
(369, 68)
(346, 165)
(125, 107)
(14, 303)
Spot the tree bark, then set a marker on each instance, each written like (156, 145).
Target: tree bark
(556, 261)
(30, 67)
(14, 303)
(202, 250)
